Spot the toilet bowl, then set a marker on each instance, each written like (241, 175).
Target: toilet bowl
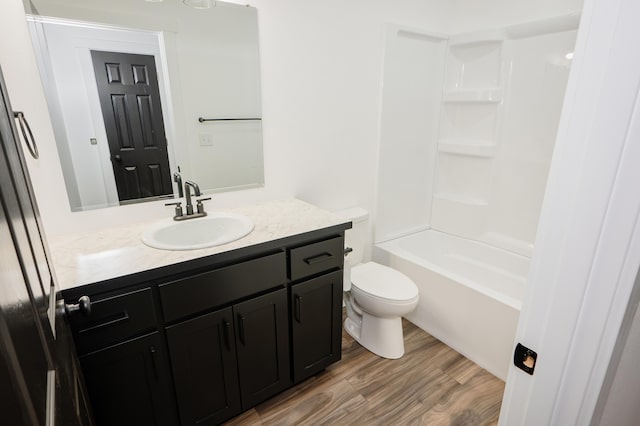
(379, 297)
(376, 296)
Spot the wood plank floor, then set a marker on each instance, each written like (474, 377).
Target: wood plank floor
(431, 385)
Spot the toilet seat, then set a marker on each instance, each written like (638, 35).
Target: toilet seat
(383, 283)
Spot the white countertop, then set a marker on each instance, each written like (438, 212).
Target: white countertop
(97, 256)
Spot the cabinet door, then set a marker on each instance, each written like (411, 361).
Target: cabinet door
(129, 383)
(262, 334)
(316, 307)
(203, 358)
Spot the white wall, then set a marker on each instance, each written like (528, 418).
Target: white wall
(471, 15)
(321, 69)
(321, 77)
(25, 92)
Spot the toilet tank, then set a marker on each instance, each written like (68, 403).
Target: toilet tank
(355, 237)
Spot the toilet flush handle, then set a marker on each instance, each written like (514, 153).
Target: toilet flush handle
(347, 250)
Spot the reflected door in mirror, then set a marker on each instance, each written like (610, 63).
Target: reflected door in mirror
(130, 101)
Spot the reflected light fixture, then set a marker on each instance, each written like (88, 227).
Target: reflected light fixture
(569, 56)
(200, 4)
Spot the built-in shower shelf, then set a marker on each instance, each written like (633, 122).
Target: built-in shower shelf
(468, 147)
(474, 96)
(460, 199)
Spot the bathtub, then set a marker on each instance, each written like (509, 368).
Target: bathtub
(470, 292)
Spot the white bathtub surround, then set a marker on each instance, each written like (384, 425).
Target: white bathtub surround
(460, 218)
(470, 292)
(502, 97)
(491, 104)
(408, 129)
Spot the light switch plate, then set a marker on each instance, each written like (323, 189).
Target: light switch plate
(205, 139)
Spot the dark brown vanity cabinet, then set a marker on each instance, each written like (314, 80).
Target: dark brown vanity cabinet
(201, 341)
(316, 324)
(262, 342)
(230, 359)
(205, 368)
(124, 361)
(235, 357)
(316, 306)
(129, 383)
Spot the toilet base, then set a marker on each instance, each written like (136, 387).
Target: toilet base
(382, 336)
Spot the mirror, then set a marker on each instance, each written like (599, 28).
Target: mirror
(198, 76)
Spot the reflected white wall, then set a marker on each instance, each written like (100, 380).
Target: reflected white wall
(213, 69)
(64, 53)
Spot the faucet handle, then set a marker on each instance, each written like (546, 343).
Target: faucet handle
(178, 208)
(177, 178)
(200, 206)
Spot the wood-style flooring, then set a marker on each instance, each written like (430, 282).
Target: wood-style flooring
(431, 385)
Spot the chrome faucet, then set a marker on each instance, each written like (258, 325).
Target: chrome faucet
(190, 214)
(187, 193)
(178, 180)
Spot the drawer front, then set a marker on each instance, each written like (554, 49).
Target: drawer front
(114, 319)
(209, 290)
(316, 258)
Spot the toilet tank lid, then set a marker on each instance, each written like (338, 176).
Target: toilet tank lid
(383, 281)
(354, 214)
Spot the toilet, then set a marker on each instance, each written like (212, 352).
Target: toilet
(376, 296)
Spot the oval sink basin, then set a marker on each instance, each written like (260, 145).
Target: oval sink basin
(209, 231)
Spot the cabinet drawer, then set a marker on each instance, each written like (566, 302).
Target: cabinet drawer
(315, 258)
(114, 319)
(209, 290)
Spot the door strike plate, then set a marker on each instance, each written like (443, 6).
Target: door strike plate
(525, 359)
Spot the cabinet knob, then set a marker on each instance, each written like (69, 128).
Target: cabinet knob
(83, 306)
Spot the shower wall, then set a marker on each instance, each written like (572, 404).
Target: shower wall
(499, 105)
(413, 73)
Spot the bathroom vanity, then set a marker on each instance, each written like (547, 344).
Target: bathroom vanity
(197, 337)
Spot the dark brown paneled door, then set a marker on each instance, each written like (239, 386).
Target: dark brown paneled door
(130, 101)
